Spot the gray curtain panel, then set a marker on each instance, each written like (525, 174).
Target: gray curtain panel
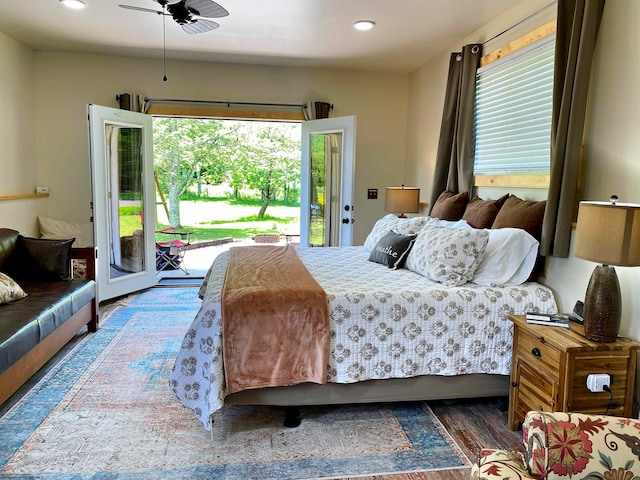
(578, 25)
(456, 147)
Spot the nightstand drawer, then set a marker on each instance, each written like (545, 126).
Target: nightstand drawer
(536, 391)
(532, 391)
(538, 354)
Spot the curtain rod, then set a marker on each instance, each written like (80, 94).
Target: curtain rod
(221, 102)
(521, 21)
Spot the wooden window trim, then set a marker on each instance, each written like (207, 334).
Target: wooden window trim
(524, 41)
(224, 113)
(517, 181)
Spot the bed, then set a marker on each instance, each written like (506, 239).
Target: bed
(396, 334)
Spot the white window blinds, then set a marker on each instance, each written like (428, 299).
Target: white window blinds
(513, 112)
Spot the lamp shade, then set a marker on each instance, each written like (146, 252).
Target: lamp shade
(402, 200)
(608, 233)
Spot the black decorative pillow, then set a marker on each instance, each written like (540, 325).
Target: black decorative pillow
(392, 249)
(43, 259)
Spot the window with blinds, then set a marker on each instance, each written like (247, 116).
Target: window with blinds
(513, 112)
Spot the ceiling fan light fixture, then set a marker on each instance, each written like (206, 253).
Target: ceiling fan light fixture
(74, 4)
(364, 25)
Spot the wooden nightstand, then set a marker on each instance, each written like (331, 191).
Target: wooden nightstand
(550, 367)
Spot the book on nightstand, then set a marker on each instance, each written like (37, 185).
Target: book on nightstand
(550, 319)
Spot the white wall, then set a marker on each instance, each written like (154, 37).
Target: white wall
(612, 145)
(17, 137)
(66, 82)
(612, 149)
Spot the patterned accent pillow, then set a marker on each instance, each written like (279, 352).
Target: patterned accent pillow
(405, 226)
(9, 289)
(392, 250)
(448, 255)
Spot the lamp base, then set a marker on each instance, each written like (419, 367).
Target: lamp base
(602, 305)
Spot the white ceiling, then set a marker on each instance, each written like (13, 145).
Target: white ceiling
(314, 33)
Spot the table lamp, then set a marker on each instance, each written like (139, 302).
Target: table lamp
(607, 233)
(402, 200)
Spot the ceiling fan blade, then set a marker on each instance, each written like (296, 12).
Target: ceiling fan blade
(140, 9)
(207, 8)
(200, 26)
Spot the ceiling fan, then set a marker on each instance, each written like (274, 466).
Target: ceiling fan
(188, 13)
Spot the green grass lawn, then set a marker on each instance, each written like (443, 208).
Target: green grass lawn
(240, 227)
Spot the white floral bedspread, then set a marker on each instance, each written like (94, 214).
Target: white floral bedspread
(384, 324)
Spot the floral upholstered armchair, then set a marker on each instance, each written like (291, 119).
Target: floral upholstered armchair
(567, 446)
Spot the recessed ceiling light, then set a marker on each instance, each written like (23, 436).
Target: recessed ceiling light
(364, 25)
(75, 4)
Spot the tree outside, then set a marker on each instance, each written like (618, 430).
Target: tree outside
(256, 164)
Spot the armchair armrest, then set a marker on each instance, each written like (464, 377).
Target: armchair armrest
(499, 465)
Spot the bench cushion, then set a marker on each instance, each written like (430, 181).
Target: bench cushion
(27, 321)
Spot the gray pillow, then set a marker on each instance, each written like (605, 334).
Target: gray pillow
(392, 250)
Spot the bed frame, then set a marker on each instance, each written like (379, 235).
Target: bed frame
(425, 387)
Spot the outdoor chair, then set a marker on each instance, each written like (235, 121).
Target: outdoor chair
(170, 253)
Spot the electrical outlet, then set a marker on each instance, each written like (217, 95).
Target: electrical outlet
(42, 189)
(597, 381)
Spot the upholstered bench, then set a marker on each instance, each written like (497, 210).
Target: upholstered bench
(35, 327)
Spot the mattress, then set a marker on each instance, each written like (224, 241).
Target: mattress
(383, 324)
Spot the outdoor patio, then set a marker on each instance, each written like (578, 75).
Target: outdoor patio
(198, 260)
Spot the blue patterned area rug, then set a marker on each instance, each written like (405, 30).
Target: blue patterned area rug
(106, 411)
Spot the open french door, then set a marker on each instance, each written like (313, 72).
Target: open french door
(124, 210)
(327, 179)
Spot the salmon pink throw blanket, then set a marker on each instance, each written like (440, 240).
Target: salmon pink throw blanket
(275, 320)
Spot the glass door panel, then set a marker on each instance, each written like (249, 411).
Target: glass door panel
(122, 185)
(328, 150)
(126, 200)
(325, 169)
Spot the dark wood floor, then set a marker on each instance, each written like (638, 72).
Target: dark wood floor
(474, 424)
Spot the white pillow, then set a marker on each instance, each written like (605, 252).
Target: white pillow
(449, 223)
(448, 255)
(509, 258)
(388, 223)
(61, 230)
